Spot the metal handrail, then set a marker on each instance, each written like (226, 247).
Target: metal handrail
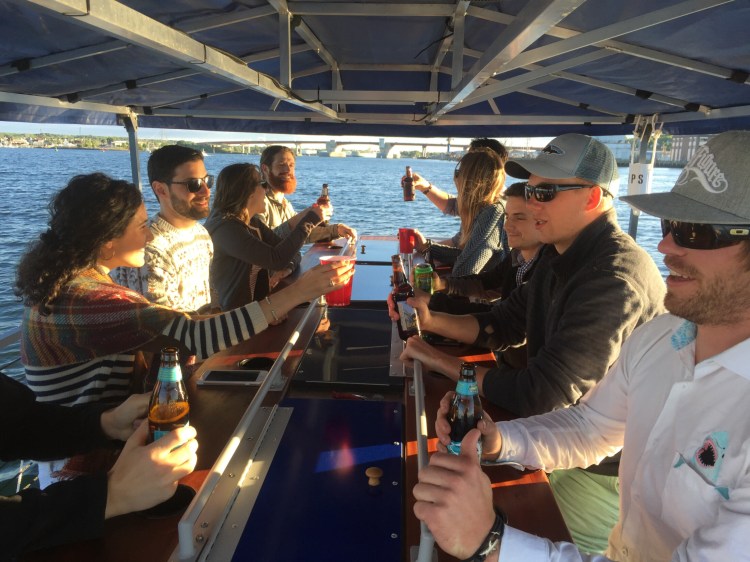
(426, 540)
(10, 336)
(186, 546)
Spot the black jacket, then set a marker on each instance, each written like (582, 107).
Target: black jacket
(63, 512)
(574, 315)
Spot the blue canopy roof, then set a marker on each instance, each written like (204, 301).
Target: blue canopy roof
(423, 68)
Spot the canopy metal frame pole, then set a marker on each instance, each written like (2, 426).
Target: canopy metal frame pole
(130, 122)
(645, 130)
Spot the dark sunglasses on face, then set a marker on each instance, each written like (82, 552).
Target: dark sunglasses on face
(545, 192)
(698, 236)
(194, 184)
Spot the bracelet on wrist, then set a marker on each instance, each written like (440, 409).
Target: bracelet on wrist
(491, 542)
(273, 312)
(428, 189)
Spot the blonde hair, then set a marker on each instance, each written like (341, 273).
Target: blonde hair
(479, 180)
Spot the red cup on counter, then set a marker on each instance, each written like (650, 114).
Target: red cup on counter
(406, 240)
(343, 295)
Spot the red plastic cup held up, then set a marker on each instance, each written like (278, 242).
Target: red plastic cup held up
(406, 240)
(341, 296)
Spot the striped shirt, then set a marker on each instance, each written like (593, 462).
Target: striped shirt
(107, 379)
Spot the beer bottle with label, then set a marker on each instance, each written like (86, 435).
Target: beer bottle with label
(408, 322)
(324, 198)
(407, 184)
(168, 408)
(466, 408)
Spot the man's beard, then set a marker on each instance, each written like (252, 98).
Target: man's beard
(285, 186)
(185, 209)
(719, 301)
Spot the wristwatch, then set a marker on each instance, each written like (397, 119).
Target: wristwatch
(427, 190)
(491, 542)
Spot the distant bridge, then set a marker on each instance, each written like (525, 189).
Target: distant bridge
(385, 149)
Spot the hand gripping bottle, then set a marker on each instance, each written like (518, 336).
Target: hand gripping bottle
(169, 407)
(408, 322)
(466, 408)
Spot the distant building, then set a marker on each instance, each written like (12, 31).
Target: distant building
(619, 145)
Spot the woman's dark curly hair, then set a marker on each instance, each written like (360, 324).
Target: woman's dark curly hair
(86, 214)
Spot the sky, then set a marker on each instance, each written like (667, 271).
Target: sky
(207, 136)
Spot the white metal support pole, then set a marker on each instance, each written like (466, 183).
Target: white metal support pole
(426, 540)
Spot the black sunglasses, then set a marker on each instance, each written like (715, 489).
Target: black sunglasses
(194, 184)
(545, 192)
(698, 236)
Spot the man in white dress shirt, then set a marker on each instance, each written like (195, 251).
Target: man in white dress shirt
(676, 402)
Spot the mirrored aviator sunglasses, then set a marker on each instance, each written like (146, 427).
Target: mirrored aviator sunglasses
(698, 236)
(194, 184)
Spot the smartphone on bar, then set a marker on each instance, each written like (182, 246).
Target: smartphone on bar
(242, 377)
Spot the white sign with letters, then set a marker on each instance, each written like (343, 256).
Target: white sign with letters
(639, 179)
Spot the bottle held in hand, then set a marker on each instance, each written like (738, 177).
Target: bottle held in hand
(324, 198)
(466, 408)
(407, 184)
(169, 407)
(408, 322)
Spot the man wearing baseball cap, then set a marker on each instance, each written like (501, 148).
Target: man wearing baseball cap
(592, 287)
(676, 401)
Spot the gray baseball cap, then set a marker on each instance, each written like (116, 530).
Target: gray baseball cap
(570, 156)
(714, 187)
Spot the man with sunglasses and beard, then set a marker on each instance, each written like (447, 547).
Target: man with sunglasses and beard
(176, 273)
(592, 286)
(675, 401)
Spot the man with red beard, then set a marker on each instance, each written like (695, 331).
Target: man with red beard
(176, 273)
(674, 401)
(277, 166)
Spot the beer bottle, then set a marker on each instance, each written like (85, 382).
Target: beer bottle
(407, 184)
(408, 322)
(168, 408)
(324, 198)
(466, 408)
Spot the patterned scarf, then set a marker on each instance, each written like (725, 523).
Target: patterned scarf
(93, 317)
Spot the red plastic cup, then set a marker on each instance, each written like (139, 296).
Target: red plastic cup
(406, 240)
(343, 295)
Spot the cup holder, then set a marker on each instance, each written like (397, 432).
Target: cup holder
(256, 363)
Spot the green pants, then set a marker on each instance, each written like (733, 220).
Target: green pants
(590, 505)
